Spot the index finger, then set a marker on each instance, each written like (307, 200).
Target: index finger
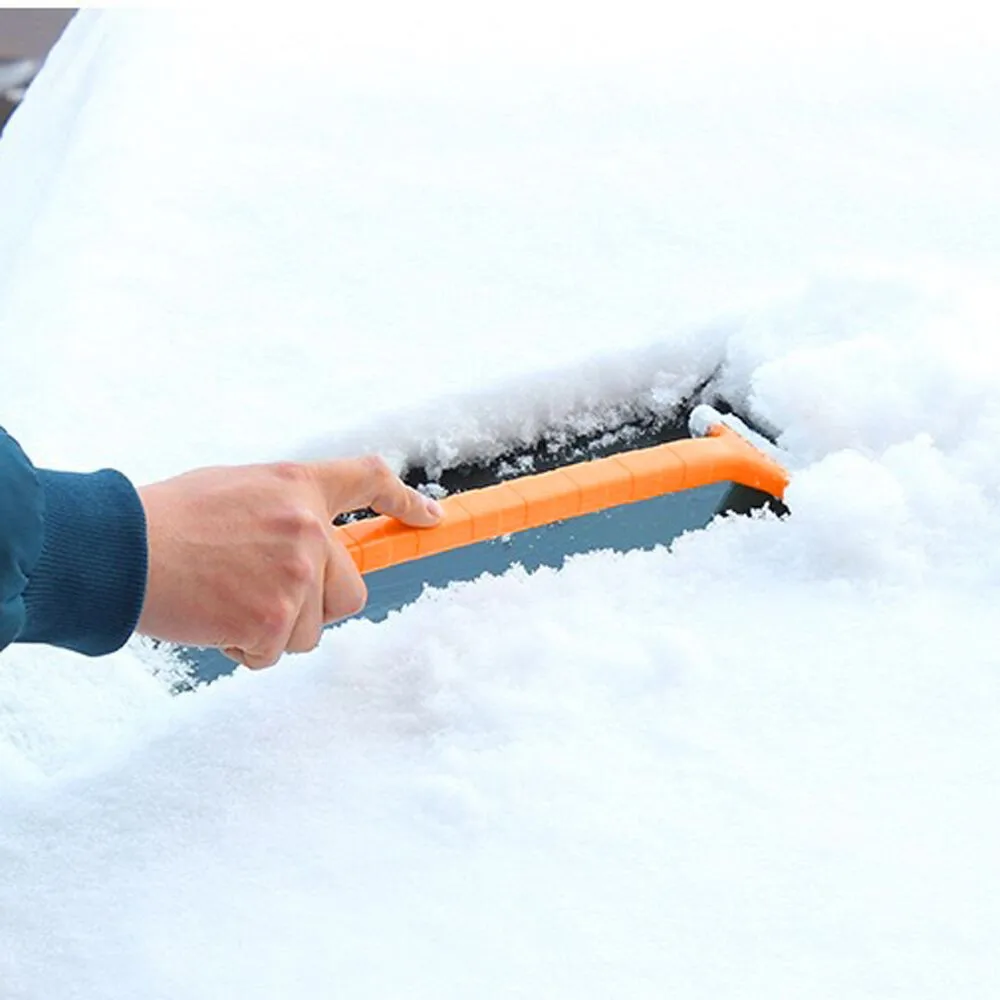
(352, 483)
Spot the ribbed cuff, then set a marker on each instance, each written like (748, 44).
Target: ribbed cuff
(87, 589)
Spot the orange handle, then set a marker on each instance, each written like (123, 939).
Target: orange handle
(585, 488)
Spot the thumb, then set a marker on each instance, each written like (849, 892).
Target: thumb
(351, 483)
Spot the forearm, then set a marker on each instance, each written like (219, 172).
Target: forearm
(72, 556)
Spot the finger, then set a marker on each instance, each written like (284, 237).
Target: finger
(255, 661)
(308, 626)
(344, 592)
(272, 630)
(352, 483)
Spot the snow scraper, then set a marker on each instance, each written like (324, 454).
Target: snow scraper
(716, 456)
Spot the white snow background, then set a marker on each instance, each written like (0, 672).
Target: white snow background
(763, 763)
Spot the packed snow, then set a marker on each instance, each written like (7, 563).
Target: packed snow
(760, 763)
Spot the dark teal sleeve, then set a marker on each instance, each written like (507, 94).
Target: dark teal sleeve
(72, 555)
(21, 534)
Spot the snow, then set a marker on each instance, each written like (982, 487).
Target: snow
(759, 763)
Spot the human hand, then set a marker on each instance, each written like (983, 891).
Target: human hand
(243, 558)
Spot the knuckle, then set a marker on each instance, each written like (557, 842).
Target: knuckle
(299, 570)
(274, 621)
(298, 524)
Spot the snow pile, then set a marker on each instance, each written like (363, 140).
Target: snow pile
(759, 764)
